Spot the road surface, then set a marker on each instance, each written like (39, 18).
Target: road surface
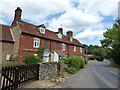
(95, 75)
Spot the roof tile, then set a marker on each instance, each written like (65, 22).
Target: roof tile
(5, 33)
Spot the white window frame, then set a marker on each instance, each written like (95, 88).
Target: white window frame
(42, 30)
(63, 47)
(59, 35)
(80, 49)
(36, 43)
(75, 48)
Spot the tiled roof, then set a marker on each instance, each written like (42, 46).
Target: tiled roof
(60, 52)
(32, 29)
(5, 33)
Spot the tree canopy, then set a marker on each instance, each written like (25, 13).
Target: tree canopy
(112, 40)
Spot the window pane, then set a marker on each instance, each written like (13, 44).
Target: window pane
(36, 42)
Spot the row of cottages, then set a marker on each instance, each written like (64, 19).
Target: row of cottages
(23, 38)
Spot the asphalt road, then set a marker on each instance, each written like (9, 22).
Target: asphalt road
(95, 75)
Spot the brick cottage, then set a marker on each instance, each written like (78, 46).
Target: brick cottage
(23, 38)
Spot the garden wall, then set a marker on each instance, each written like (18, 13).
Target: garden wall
(47, 69)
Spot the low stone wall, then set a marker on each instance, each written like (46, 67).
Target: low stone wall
(47, 69)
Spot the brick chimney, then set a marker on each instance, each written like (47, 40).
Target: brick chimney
(69, 34)
(18, 13)
(60, 30)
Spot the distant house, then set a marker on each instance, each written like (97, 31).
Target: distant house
(22, 38)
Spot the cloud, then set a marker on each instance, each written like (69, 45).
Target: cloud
(89, 34)
(34, 10)
(70, 15)
(105, 8)
(90, 37)
(76, 20)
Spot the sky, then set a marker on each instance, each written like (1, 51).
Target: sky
(88, 19)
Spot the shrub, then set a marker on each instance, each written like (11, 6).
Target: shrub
(70, 70)
(98, 58)
(95, 57)
(73, 63)
(13, 58)
(76, 62)
(65, 60)
(32, 59)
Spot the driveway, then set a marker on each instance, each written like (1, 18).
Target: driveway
(95, 75)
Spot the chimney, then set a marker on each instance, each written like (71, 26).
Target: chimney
(69, 34)
(18, 13)
(60, 30)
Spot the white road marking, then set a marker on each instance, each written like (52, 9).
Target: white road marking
(113, 72)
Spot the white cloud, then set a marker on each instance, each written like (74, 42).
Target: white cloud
(106, 7)
(76, 20)
(89, 34)
(34, 10)
(73, 19)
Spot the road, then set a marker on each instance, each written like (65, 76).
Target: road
(94, 75)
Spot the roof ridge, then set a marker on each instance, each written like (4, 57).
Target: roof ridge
(27, 23)
(5, 25)
(35, 25)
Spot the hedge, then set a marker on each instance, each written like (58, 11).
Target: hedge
(74, 64)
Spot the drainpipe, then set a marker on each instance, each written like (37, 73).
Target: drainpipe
(50, 49)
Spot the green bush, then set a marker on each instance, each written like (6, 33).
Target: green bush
(32, 59)
(65, 60)
(13, 58)
(95, 57)
(70, 70)
(74, 64)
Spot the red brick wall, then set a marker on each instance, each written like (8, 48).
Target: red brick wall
(26, 42)
(77, 53)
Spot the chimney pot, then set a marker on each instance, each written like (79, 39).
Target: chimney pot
(60, 30)
(69, 34)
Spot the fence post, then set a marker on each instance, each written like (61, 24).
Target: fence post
(1, 76)
(37, 72)
(16, 77)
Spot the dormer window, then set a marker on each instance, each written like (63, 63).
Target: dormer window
(59, 35)
(42, 30)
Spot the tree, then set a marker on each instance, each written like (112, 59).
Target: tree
(41, 51)
(99, 52)
(112, 40)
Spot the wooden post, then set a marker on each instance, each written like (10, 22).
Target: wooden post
(16, 77)
(37, 72)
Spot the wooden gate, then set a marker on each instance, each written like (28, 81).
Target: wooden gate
(15, 76)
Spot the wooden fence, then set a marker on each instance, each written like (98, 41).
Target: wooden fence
(15, 76)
